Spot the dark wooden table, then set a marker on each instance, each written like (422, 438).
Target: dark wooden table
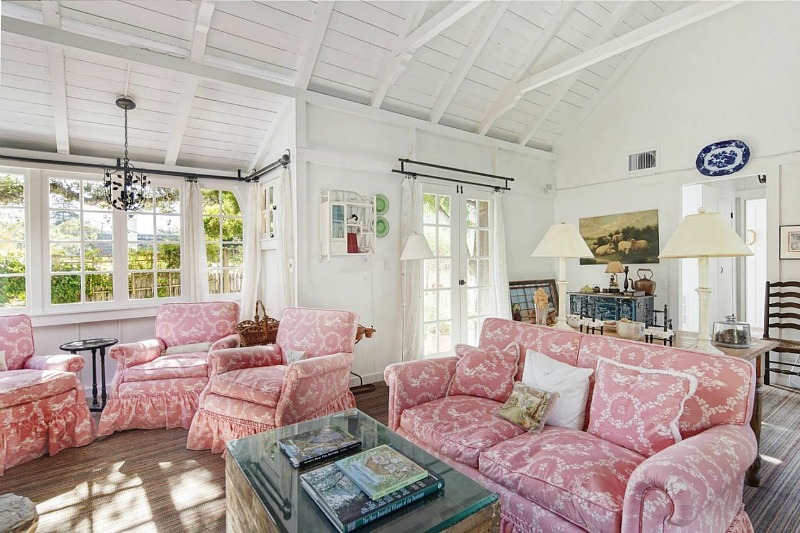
(94, 345)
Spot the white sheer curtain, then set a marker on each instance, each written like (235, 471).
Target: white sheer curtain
(501, 303)
(250, 201)
(194, 244)
(410, 222)
(286, 238)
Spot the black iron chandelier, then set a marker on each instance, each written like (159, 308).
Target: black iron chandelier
(126, 188)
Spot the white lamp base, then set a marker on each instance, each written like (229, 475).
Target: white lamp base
(703, 294)
(561, 323)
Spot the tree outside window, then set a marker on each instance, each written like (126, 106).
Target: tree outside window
(13, 281)
(222, 223)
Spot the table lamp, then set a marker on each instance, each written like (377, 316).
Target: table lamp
(416, 248)
(614, 268)
(702, 236)
(562, 241)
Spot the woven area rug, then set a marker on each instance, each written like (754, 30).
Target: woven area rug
(147, 481)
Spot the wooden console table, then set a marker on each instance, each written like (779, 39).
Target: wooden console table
(753, 355)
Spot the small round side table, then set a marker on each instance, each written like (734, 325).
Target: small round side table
(94, 345)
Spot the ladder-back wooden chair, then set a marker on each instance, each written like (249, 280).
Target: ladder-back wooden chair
(781, 315)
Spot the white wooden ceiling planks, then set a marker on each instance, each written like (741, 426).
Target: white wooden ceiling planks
(455, 65)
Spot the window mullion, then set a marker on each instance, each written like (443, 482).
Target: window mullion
(120, 250)
(40, 240)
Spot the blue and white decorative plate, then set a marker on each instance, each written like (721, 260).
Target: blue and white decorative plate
(722, 158)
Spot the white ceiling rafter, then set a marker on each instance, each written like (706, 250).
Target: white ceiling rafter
(316, 33)
(51, 16)
(642, 35)
(610, 83)
(269, 140)
(532, 55)
(412, 40)
(480, 37)
(205, 10)
(605, 32)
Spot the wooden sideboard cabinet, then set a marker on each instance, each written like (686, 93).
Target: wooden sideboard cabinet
(609, 306)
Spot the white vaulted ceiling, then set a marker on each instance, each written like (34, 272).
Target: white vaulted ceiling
(209, 78)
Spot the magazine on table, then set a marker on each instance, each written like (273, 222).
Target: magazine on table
(381, 470)
(317, 444)
(348, 507)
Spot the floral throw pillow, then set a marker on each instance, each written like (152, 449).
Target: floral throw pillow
(486, 374)
(638, 408)
(528, 407)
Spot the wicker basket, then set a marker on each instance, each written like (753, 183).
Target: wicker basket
(262, 330)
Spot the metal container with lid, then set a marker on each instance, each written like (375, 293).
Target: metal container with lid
(731, 333)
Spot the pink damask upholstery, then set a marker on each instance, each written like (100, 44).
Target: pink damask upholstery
(568, 480)
(153, 390)
(43, 409)
(253, 389)
(485, 373)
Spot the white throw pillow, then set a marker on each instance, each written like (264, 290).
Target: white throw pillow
(188, 348)
(292, 356)
(571, 383)
(3, 366)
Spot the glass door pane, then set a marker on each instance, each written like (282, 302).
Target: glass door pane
(478, 260)
(439, 328)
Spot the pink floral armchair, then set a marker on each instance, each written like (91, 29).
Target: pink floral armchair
(43, 409)
(258, 388)
(158, 382)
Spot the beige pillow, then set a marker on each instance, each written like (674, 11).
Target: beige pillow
(528, 407)
(3, 366)
(188, 348)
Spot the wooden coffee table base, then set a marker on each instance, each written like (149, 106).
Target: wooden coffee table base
(246, 514)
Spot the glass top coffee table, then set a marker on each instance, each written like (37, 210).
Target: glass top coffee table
(263, 492)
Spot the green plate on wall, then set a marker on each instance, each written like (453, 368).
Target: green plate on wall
(381, 204)
(381, 227)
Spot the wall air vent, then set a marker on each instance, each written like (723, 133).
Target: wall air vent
(643, 161)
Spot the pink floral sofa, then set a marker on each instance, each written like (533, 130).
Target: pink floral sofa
(570, 480)
(158, 382)
(304, 375)
(42, 404)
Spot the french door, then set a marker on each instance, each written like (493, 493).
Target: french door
(457, 282)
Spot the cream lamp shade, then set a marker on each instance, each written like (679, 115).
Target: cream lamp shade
(614, 267)
(416, 248)
(562, 241)
(702, 236)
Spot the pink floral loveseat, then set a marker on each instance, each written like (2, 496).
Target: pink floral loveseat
(42, 404)
(571, 480)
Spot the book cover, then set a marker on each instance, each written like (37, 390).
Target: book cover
(381, 470)
(348, 507)
(317, 444)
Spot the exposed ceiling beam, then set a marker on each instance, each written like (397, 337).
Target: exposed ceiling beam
(645, 34)
(51, 16)
(581, 117)
(142, 57)
(316, 32)
(604, 34)
(531, 56)
(269, 139)
(412, 40)
(205, 10)
(486, 27)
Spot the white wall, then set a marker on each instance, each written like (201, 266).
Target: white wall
(355, 148)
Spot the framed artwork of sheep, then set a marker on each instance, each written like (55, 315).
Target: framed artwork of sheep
(628, 237)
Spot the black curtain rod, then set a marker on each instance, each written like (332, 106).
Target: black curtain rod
(282, 161)
(452, 180)
(493, 176)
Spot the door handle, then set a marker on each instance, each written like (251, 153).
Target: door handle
(461, 282)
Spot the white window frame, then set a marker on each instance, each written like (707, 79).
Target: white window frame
(26, 201)
(216, 186)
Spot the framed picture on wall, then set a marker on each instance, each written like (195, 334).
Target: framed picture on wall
(790, 242)
(521, 292)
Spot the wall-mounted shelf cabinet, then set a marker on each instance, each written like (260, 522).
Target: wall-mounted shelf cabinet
(347, 224)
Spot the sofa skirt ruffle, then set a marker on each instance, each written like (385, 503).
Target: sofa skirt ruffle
(45, 426)
(213, 431)
(148, 411)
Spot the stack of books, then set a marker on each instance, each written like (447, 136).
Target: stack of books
(362, 488)
(317, 444)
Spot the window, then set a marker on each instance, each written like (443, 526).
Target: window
(154, 253)
(271, 206)
(13, 278)
(222, 223)
(81, 233)
(457, 282)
